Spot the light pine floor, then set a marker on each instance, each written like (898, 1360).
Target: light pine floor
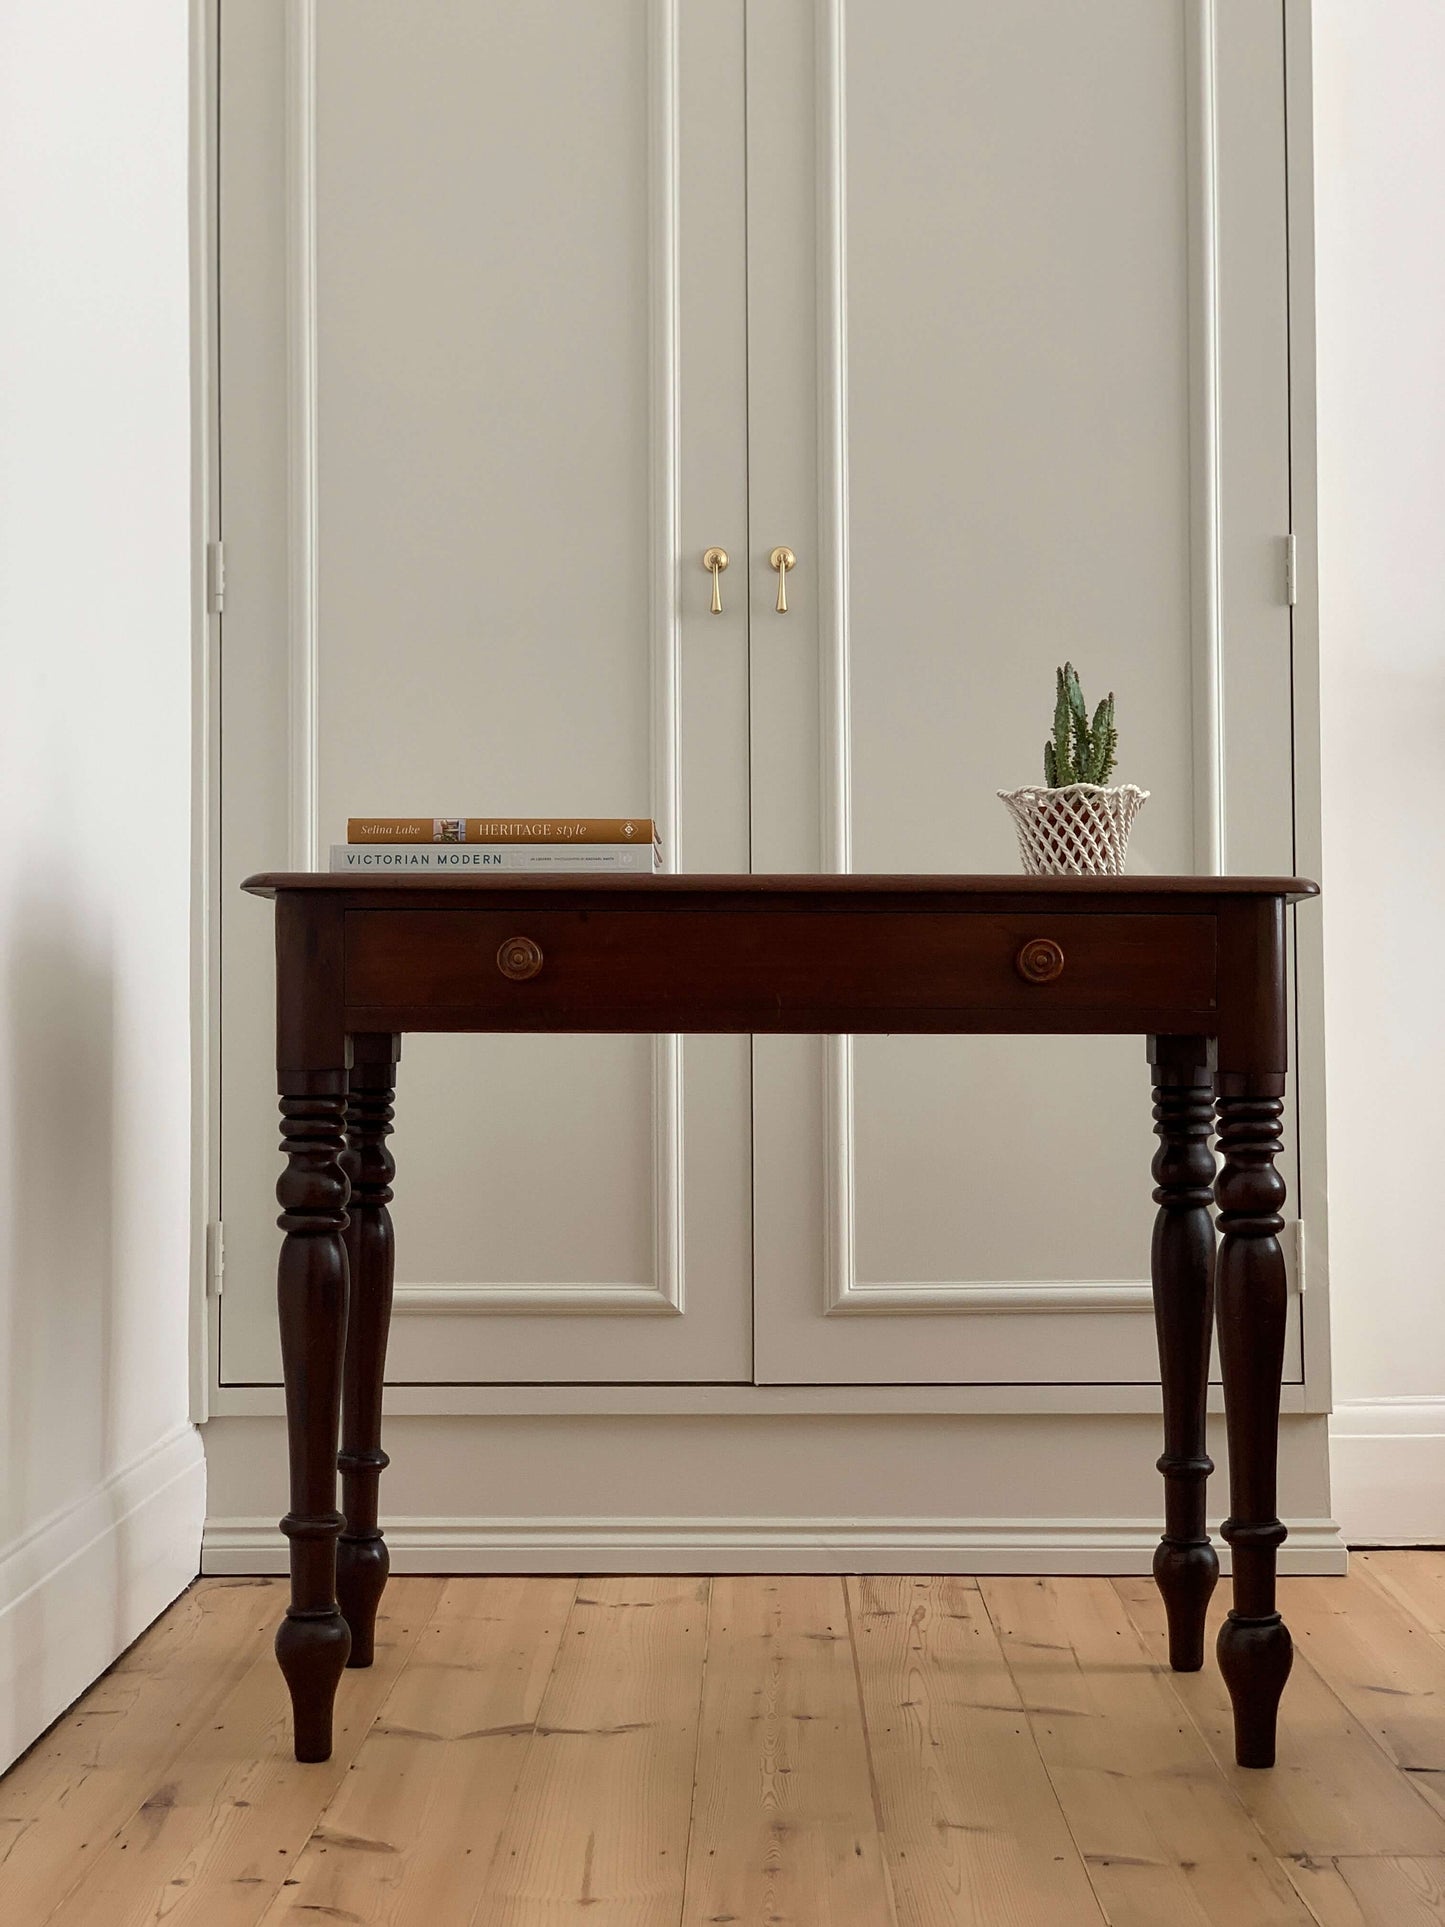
(900, 1752)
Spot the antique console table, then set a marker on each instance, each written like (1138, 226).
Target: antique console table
(1195, 964)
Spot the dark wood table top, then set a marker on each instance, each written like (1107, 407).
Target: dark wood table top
(1117, 892)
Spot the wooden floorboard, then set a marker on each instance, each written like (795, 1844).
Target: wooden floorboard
(1163, 1836)
(1333, 1790)
(219, 1831)
(1371, 1890)
(761, 1752)
(972, 1829)
(784, 1826)
(1382, 1665)
(417, 1820)
(597, 1826)
(1414, 1580)
(84, 1779)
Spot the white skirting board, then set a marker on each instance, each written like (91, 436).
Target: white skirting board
(1388, 1461)
(76, 1590)
(236, 1546)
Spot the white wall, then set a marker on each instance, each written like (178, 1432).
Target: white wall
(101, 1492)
(1380, 228)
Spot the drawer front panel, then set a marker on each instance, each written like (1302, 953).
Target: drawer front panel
(776, 970)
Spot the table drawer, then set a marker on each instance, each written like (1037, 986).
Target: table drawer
(767, 969)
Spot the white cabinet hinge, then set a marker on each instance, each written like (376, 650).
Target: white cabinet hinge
(215, 1259)
(1291, 570)
(1299, 1256)
(215, 578)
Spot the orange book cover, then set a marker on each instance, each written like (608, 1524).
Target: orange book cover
(501, 829)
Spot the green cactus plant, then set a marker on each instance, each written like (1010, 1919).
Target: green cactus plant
(1079, 751)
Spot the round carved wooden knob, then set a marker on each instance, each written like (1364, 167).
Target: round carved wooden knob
(1040, 961)
(519, 958)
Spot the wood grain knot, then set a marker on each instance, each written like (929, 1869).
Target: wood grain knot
(519, 958)
(1040, 961)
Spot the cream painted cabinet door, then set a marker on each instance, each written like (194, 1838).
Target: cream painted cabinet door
(482, 375)
(1018, 391)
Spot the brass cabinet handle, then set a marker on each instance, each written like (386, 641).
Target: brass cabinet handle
(519, 958)
(782, 560)
(1040, 961)
(715, 561)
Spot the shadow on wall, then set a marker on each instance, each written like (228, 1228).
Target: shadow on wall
(58, 1306)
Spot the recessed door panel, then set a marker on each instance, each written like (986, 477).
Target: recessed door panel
(1018, 389)
(482, 377)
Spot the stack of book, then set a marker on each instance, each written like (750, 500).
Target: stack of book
(476, 845)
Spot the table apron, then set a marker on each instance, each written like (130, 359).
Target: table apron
(678, 1017)
(782, 971)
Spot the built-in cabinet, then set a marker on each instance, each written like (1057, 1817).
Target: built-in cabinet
(983, 311)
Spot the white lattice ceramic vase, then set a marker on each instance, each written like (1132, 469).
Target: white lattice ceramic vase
(1080, 830)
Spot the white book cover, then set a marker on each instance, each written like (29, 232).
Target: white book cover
(490, 859)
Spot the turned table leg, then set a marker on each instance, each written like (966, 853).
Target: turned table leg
(312, 1642)
(361, 1556)
(1186, 1566)
(1255, 1651)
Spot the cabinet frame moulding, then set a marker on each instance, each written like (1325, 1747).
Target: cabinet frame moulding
(302, 429)
(612, 1399)
(844, 1295)
(714, 1545)
(1206, 507)
(206, 630)
(662, 1296)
